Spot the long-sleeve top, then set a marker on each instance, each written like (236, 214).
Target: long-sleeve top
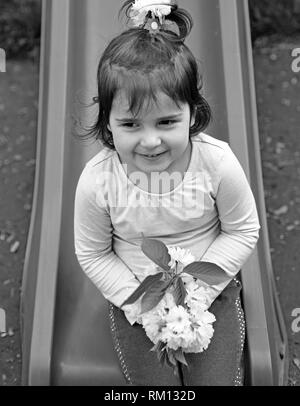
(211, 212)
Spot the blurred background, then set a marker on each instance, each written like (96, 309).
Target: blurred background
(275, 27)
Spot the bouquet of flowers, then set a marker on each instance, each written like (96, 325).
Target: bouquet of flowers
(174, 302)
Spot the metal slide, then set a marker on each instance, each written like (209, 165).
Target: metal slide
(65, 328)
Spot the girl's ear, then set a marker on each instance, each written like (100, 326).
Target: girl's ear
(193, 119)
(109, 127)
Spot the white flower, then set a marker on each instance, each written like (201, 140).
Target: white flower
(187, 327)
(203, 336)
(181, 256)
(154, 320)
(177, 330)
(196, 309)
(153, 323)
(168, 301)
(188, 280)
(174, 340)
(158, 8)
(178, 319)
(197, 296)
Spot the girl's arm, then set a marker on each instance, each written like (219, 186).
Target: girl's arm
(239, 223)
(93, 244)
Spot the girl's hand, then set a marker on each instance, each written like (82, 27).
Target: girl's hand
(132, 312)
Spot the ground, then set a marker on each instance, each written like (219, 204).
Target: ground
(278, 101)
(18, 116)
(278, 89)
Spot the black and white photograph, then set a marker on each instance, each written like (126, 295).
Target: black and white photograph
(149, 195)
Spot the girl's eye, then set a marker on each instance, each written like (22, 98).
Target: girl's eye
(129, 125)
(167, 122)
(135, 125)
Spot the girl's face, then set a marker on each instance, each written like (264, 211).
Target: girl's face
(161, 131)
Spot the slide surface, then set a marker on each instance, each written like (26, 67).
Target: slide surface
(66, 338)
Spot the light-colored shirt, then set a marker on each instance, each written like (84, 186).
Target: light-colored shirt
(211, 212)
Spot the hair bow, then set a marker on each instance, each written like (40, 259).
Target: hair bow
(158, 8)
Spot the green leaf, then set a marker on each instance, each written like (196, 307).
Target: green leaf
(179, 355)
(157, 252)
(163, 358)
(179, 292)
(154, 295)
(208, 272)
(160, 349)
(143, 287)
(162, 355)
(158, 346)
(171, 358)
(169, 364)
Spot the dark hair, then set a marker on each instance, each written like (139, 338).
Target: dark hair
(141, 63)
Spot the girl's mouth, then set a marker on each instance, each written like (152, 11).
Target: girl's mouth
(152, 157)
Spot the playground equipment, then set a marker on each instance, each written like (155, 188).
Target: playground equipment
(65, 330)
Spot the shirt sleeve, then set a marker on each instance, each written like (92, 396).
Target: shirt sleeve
(239, 223)
(93, 243)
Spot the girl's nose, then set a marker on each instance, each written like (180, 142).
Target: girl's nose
(150, 140)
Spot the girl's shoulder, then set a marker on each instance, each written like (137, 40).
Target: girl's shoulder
(101, 159)
(210, 151)
(210, 142)
(96, 169)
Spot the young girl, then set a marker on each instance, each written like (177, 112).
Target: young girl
(160, 175)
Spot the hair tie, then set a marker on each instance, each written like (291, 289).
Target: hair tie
(139, 14)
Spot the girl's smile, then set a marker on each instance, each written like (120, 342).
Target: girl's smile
(153, 157)
(155, 141)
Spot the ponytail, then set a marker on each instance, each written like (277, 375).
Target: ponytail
(176, 26)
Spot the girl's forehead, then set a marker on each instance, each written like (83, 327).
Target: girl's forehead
(163, 103)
